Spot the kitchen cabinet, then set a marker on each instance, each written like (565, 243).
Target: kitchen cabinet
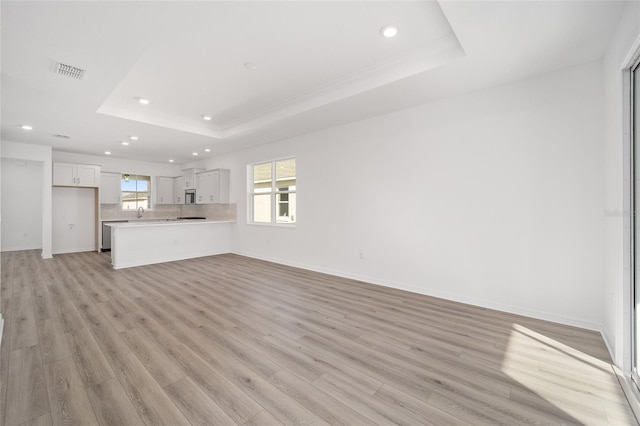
(178, 190)
(164, 190)
(189, 176)
(212, 187)
(110, 188)
(83, 175)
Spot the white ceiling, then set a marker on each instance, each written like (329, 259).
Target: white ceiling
(317, 64)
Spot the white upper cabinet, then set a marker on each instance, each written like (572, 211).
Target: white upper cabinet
(178, 190)
(164, 190)
(189, 176)
(67, 174)
(212, 187)
(110, 189)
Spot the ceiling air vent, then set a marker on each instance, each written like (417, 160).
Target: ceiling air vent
(60, 136)
(69, 71)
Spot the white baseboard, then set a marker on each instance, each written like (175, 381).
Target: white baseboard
(607, 343)
(7, 249)
(629, 390)
(517, 310)
(76, 250)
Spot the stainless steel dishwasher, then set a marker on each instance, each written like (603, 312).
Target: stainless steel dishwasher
(106, 233)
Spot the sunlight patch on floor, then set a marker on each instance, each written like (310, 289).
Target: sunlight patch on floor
(580, 385)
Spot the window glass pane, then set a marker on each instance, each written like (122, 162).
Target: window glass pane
(286, 174)
(286, 208)
(262, 177)
(136, 191)
(262, 208)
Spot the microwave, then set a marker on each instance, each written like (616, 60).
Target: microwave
(190, 196)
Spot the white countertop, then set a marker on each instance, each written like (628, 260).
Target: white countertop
(164, 222)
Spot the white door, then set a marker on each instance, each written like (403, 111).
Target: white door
(74, 220)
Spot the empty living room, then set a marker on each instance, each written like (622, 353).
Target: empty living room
(465, 250)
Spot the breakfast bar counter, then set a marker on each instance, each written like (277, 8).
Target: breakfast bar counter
(148, 242)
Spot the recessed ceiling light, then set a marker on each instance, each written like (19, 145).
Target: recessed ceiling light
(250, 66)
(207, 150)
(171, 161)
(125, 143)
(26, 127)
(206, 117)
(143, 101)
(195, 153)
(133, 138)
(107, 152)
(389, 31)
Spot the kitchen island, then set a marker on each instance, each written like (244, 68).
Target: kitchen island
(148, 242)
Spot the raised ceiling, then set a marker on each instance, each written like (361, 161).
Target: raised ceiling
(264, 70)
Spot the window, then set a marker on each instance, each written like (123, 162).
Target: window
(272, 194)
(136, 191)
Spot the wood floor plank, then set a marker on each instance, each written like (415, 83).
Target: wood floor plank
(5, 350)
(422, 412)
(92, 364)
(148, 398)
(318, 402)
(67, 397)
(70, 317)
(280, 405)
(157, 331)
(43, 307)
(26, 387)
(241, 352)
(233, 401)
(197, 407)
(233, 340)
(53, 341)
(263, 418)
(111, 404)
(116, 314)
(157, 363)
(40, 421)
(378, 412)
(24, 330)
(364, 382)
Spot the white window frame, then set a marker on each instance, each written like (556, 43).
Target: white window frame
(273, 194)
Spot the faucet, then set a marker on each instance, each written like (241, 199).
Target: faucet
(140, 211)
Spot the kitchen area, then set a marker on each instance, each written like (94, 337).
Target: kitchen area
(141, 219)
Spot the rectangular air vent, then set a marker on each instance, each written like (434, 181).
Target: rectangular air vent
(60, 136)
(69, 71)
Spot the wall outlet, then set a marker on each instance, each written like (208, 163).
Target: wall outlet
(361, 254)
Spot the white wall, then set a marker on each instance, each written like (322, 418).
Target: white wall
(41, 154)
(616, 295)
(492, 198)
(22, 194)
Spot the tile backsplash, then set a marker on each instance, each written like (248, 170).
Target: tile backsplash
(170, 211)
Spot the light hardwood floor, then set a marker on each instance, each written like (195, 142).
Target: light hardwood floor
(229, 340)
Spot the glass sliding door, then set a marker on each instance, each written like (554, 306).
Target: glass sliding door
(635, 206)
